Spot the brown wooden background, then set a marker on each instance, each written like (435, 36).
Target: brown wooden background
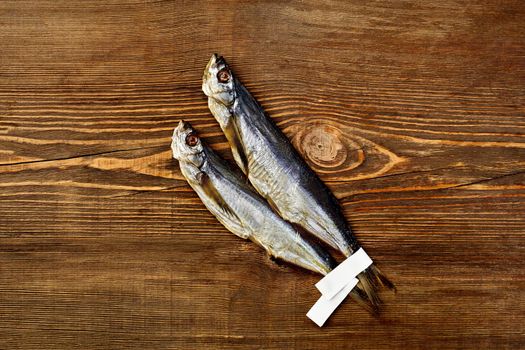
(412, 112)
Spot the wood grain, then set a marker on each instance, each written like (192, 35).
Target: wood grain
(412, 112)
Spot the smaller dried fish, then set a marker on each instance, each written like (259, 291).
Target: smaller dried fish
(238, 207)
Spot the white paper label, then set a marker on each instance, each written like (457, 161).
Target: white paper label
(341, 276)
(325, 306)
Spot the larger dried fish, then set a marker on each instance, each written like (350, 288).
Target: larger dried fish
(277, 171)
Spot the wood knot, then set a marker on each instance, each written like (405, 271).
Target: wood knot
(323, 146)
(339, 152)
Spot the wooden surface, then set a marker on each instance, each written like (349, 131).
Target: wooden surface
(411, 111)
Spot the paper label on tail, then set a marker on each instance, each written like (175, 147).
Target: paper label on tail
(342, 275)
(325, 306)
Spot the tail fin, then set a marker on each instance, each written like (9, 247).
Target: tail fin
(381, 278)
(370, 281)
(362, 299)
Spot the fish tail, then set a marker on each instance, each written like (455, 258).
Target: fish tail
(381, 278)
(370, 281)
(362, 299)
(368, 284)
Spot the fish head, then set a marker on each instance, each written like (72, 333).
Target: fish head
(218, 81)
(186, 144)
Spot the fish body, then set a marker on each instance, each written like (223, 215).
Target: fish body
(229, 197)
(276, 170)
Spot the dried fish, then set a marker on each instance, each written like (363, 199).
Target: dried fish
(277, 171)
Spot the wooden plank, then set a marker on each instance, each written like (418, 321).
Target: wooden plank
(412, 112)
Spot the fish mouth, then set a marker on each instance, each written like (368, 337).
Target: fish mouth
(212, 63)
(183, 127)
(215, 64)
(215, 61)
(206, 76)
(219, 60)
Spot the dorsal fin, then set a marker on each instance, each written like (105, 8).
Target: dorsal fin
(232, 134)
(213, 194)
(222, 210)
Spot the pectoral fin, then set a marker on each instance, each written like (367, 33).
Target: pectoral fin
(220, 208)
(232, 134)
(213, 195)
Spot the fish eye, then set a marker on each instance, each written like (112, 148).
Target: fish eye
(192, 139)
(223, 75)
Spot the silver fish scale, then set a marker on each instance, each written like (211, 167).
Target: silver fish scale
(263, 225)
(284, 190)
(262, 167)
